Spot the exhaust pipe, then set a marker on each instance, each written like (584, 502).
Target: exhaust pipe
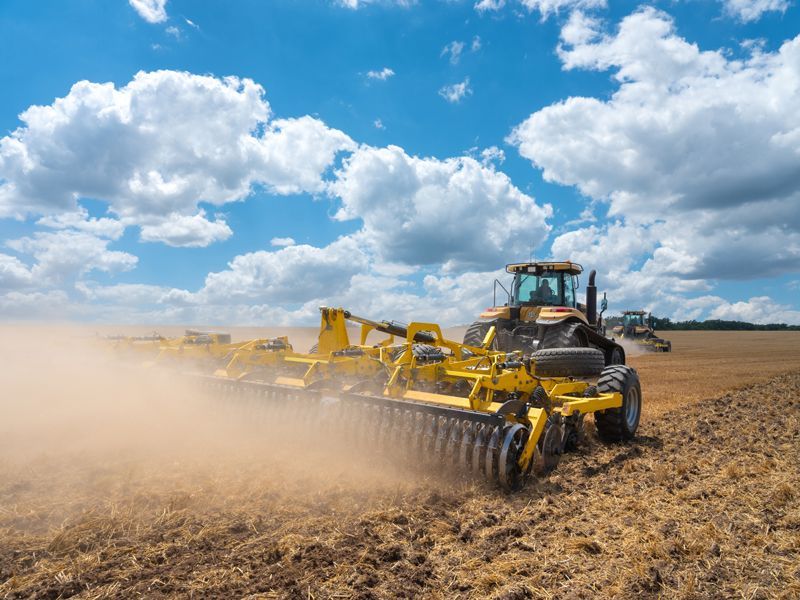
(591, 299)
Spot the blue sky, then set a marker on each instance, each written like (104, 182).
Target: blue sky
(392, 156)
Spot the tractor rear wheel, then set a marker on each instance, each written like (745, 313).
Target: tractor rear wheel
(563, 335)
(618, 424)
(564, 362)
(475, 334)
(616, 356)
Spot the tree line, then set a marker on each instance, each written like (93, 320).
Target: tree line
(666, 324)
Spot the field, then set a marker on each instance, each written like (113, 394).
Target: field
(117, 485)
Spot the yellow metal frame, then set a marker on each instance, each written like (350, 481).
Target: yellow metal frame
(485, 378)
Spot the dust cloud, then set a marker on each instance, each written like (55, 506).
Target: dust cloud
(632, 348)
(81, 430)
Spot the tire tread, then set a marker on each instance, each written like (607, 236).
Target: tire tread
(554, 362)
(610, 423)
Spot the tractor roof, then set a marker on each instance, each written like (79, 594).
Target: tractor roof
(634, 312)
(538, 267)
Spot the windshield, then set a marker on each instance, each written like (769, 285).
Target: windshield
(551, 288)
(632, 320)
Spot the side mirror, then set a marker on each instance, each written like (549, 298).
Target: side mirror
(603, 304)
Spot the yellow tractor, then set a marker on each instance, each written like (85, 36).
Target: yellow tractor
(543, 319)
(637, 325)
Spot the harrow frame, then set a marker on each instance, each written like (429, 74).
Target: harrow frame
(487, 410)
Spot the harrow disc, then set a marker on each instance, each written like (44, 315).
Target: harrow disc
(492, 454)
(466, 448)
(451, 452)
(410, 427)
(429, 438)
(442, 437)
(479, 449)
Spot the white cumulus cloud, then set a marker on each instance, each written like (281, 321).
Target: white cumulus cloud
(456, 92)
(356, 4)
(158, 146)
(453, 50)
(62, 255)
(695, 152)
(152, 11)
(752, 10)
(193, 231)
(760, 309)
(429, 211)
(81, 221)
(294, 274)
(53, 305)
(382, 75)
(545, 8)
(14, 274)
(282, 242)
(551, 7)
(489, 5)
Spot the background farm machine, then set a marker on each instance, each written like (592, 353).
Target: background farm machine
(637, 325)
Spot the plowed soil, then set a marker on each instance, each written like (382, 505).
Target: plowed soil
(704, 504)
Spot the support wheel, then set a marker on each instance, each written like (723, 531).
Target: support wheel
(574, 433)
(511, 476)
(618, 424)
(616, 355)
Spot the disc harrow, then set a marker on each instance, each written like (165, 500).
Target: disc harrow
(426, 398)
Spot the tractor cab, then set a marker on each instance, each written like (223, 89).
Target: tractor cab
(635, 324)
(633, 319)
(543, 312)
(544, 284)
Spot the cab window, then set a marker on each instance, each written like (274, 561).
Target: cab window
(569, 291)
(541, 290)
(632, 319)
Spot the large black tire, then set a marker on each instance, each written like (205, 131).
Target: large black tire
(618, 424)
(562, 335)
(422, 352)
(475, 334)
(427, 352)
(615, 355)
(565, 362)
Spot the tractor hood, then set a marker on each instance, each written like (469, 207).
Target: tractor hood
(554, 314)
(496, 312)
